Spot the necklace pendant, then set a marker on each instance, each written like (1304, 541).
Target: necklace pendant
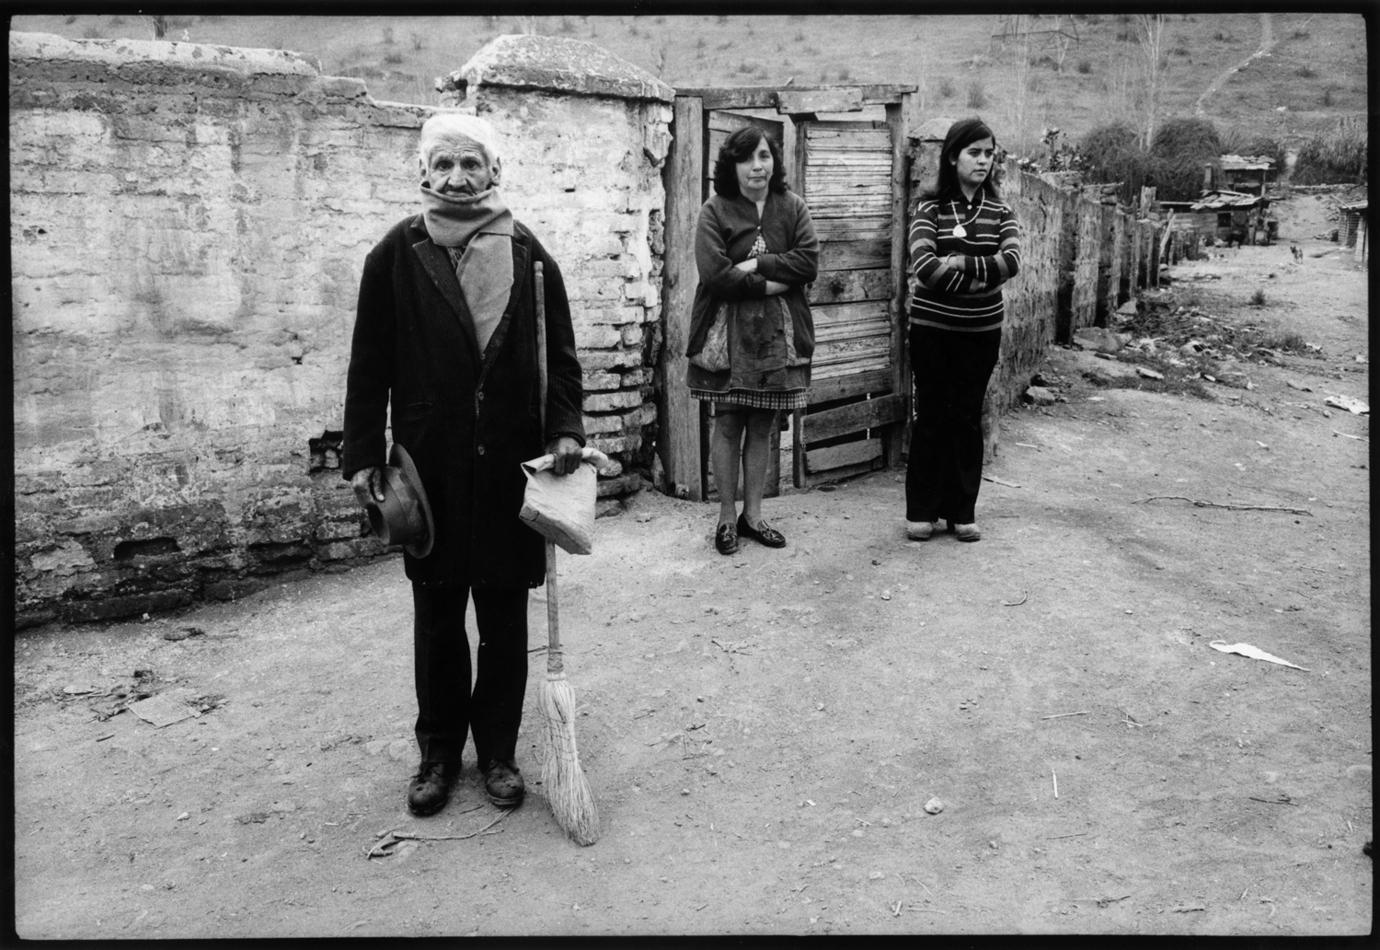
(959, 231)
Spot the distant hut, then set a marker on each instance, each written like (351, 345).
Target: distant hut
(1227, 216)
(1248, 174)
(1353, 222)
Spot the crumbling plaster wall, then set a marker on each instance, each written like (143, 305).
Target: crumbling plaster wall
(187, 227)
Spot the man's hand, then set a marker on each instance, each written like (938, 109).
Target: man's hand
(749, 265)
(368, 485)
(567, 455)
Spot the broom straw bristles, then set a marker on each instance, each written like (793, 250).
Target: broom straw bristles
(567, 791)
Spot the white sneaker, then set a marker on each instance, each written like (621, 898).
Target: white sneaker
(919, 530)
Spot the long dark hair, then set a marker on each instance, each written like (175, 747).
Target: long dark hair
(738, 147)
(963, 133)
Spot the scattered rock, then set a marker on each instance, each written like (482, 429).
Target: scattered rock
(1350, 404)
(934, 806)
(1149, 373)
(1039, 396)
(1099, 339)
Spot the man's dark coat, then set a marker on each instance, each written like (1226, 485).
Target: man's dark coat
(467, 422)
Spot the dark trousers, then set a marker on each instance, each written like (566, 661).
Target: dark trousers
(446, 707)
(944, 470)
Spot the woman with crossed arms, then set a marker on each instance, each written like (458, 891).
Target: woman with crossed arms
(964, 245)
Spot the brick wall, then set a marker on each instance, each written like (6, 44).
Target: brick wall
(187, 228)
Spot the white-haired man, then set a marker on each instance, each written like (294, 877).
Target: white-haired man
(446, 331)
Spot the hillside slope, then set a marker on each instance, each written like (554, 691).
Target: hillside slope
(1314, 71)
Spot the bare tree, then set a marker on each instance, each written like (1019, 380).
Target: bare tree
(1019, 55)
(1150, 31)
(160, 26)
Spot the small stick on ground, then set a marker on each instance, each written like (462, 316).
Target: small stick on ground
(1213, 504)
(411, 836)
(1056, 782)
(1076, 834)
(393, 837)
(1348, 435)
(998, 481)
(1082, 712)
(1024, 597)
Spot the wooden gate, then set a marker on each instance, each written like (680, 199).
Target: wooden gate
(851, 172)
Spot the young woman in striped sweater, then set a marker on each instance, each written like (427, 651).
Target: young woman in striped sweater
(964, 245)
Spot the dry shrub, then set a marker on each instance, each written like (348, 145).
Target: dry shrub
(1337, 155)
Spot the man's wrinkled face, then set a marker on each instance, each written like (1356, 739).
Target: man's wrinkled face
(461, 167)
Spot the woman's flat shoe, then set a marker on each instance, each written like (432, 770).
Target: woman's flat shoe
(919, 530)
(764, 535)
(726, 539)
(966, 532)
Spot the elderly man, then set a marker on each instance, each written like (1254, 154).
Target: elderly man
(446, 331)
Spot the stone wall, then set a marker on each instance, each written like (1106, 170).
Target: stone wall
(1087, 262)
(187, 228)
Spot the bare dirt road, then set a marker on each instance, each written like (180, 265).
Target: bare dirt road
(763, 732)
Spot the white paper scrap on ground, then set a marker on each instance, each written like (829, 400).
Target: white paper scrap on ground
(1255, 653)
(165, 708)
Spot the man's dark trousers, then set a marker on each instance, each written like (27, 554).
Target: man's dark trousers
(446, 708)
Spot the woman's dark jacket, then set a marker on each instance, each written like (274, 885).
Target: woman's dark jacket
(467, 422)
(724, 237)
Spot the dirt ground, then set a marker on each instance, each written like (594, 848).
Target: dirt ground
(763, 732)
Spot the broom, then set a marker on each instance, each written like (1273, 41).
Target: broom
(561, 776)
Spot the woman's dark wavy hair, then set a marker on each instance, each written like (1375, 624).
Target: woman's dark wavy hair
(961, 134)
(738, 147)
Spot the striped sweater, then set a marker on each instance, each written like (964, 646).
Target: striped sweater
(963, 294)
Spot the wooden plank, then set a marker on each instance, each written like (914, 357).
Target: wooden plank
(849, 453)
(851, 321)
(809, 101)
(679, 444)
(740, 97)
(878, 162)
(836, 229)
(852, 131)
(828, 389)
(833, 366)
(799, 477)
(867, 414)
(854, 255)
(765, 97)
(853, 312)
(841, 286)
(880, 94)
(845, 472)
(897, 117)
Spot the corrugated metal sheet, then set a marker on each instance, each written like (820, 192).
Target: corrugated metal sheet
(1225, 200)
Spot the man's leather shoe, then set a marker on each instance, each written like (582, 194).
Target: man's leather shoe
(430, 788)
(763, 535)
(503, 783)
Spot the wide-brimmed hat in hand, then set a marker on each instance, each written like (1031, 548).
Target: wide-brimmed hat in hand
(404, 515)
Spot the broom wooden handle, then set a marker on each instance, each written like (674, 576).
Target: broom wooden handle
(555, 660)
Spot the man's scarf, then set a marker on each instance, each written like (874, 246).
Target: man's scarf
(477, 233)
